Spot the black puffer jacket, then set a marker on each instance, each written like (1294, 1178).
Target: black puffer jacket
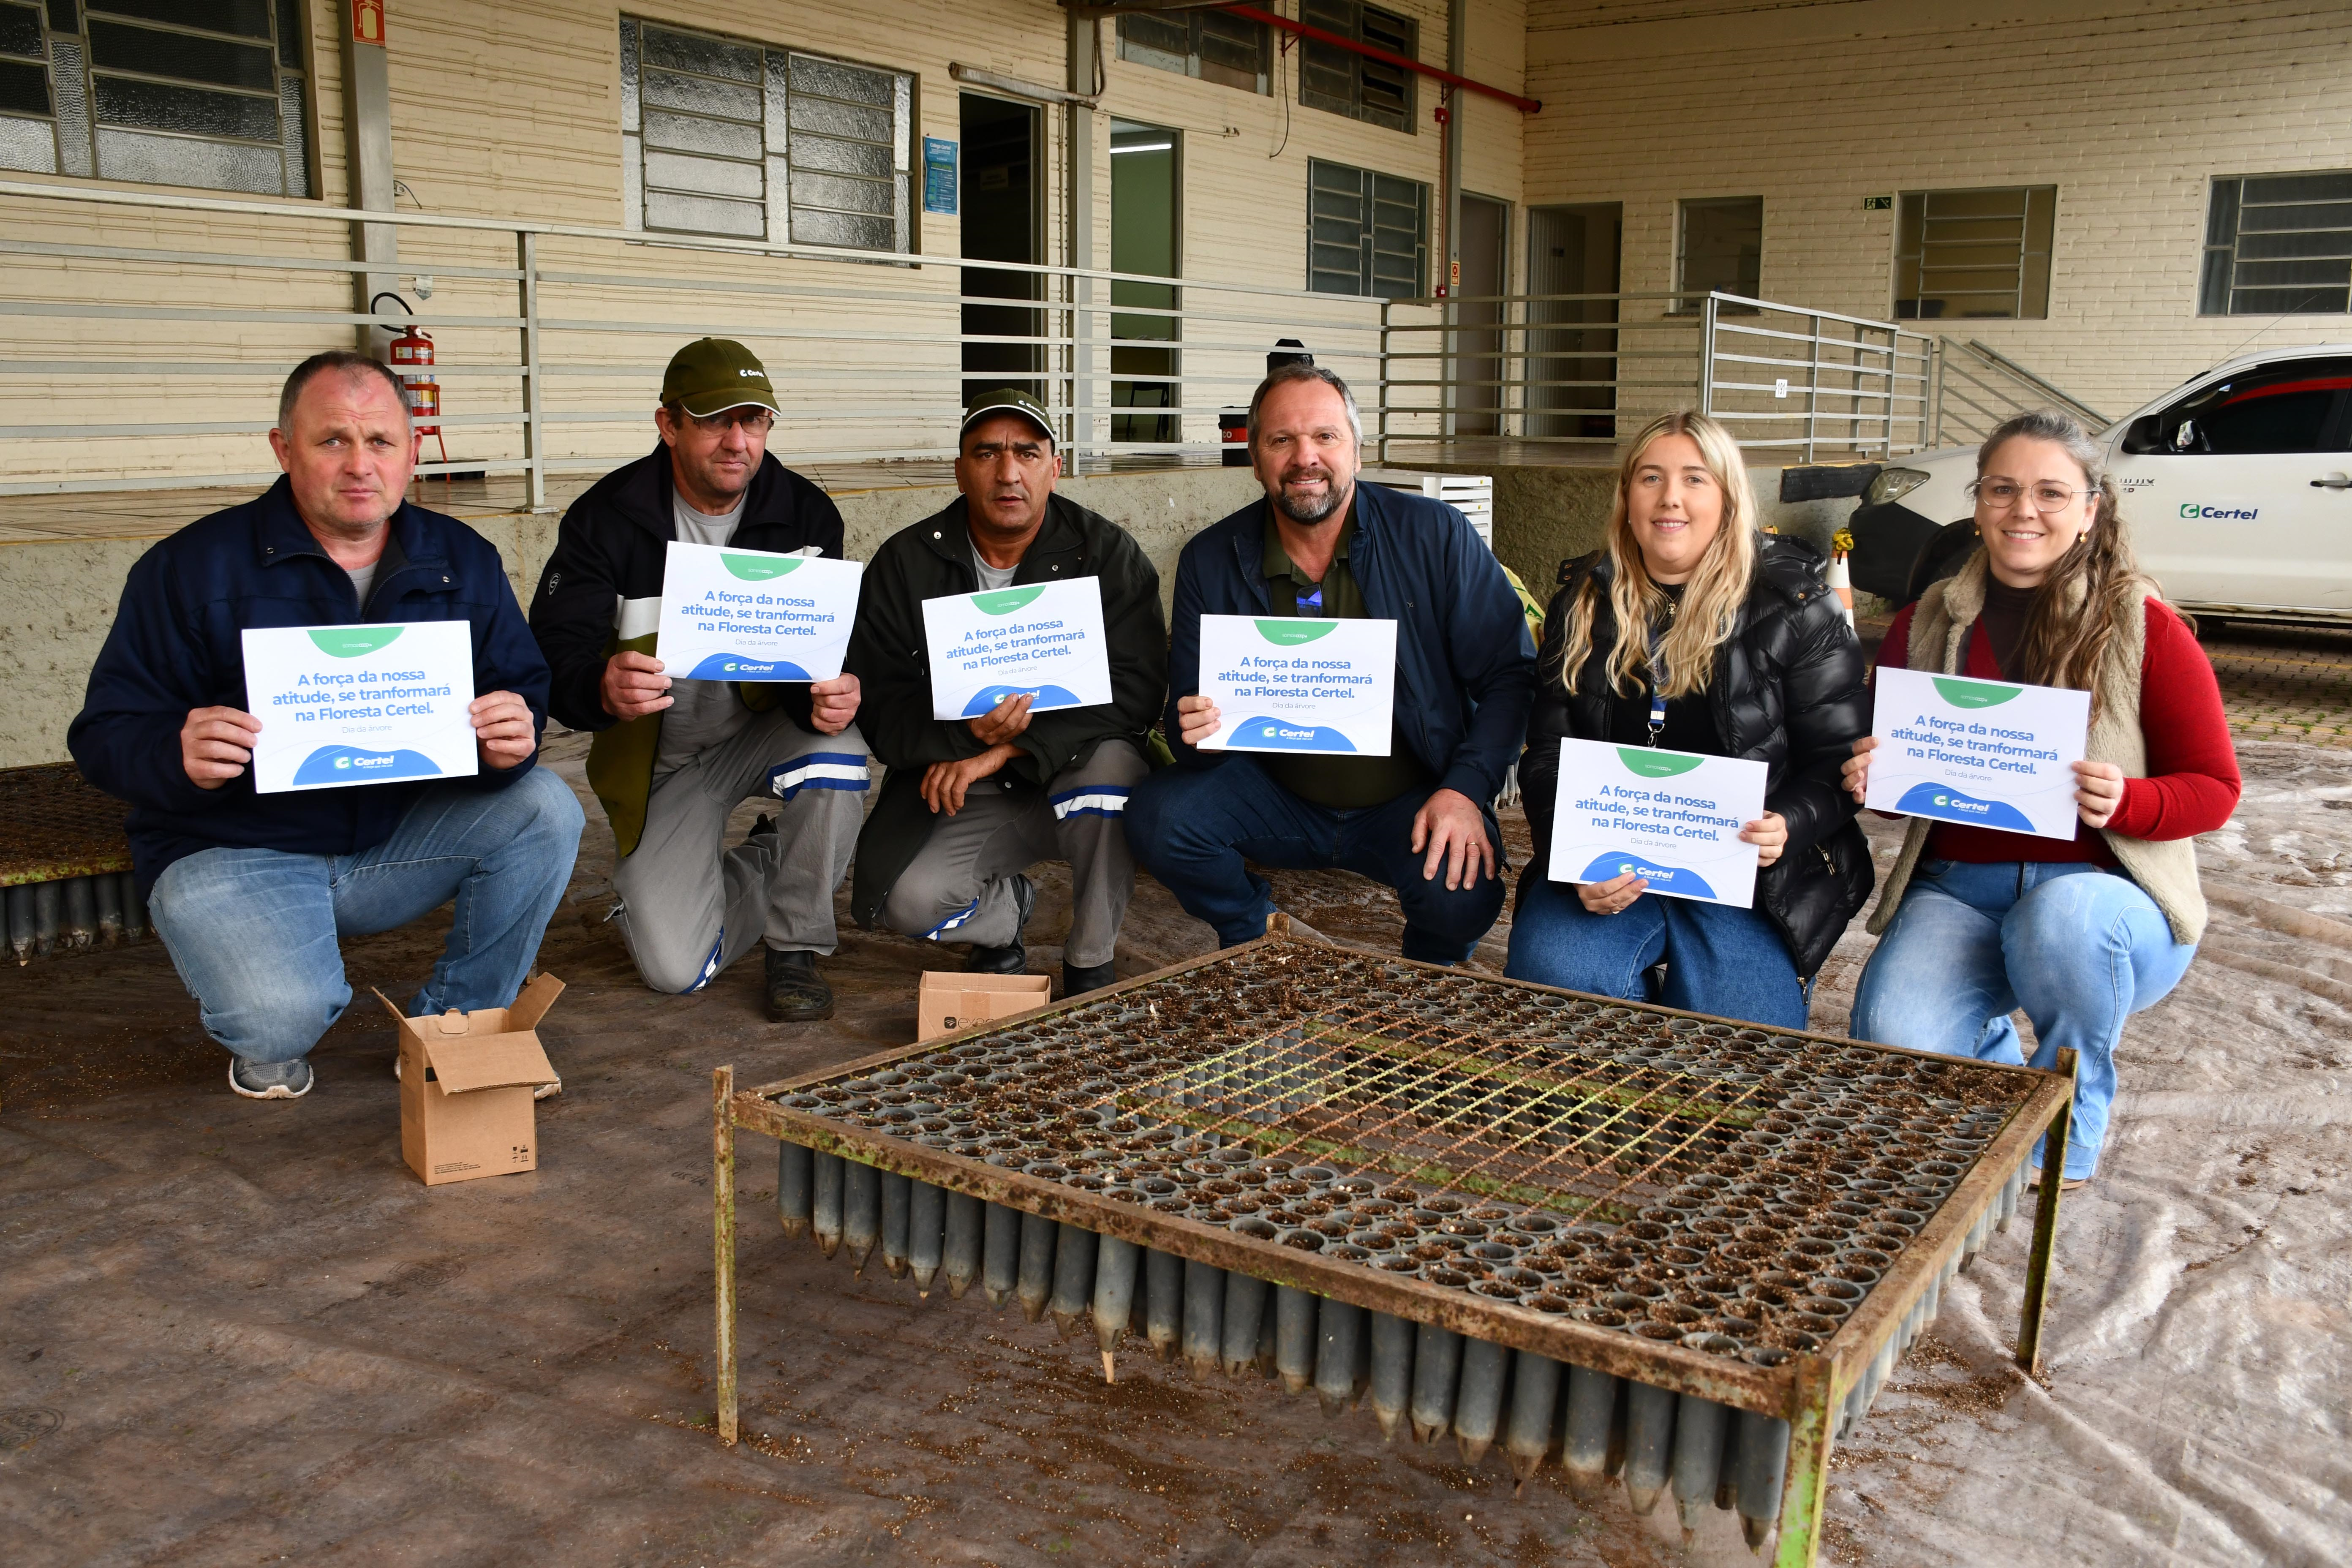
(1787, 692)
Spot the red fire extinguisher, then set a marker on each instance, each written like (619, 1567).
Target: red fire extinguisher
(412, 351)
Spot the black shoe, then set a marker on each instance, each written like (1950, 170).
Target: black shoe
(1078, 979)
(797, 993)
(1013, 958)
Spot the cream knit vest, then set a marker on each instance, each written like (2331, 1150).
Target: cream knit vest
(1940, 637)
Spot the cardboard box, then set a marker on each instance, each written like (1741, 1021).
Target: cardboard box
(947, 1002)
(466, 1083)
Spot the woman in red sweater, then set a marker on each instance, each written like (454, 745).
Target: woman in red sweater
(1976, 922)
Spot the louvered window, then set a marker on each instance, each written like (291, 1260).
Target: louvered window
(1366, 233)
(727, 137)
(209, 93)
(1345, 82)
(2278, 245)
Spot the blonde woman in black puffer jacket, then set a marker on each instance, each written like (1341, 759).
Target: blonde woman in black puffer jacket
(1753, 659)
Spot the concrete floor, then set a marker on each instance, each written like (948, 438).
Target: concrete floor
(241, 1333)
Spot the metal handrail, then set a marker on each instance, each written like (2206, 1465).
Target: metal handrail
(899, 328)
(2065, 399)
(1863, 386)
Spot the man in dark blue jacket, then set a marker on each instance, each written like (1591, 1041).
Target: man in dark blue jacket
(248, 894)
(1421, 819)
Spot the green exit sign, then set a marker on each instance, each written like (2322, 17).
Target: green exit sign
(1877, 204)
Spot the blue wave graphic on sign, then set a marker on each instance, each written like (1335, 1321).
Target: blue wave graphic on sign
(1662, 878)
(349, 764)
(735, 667)
(1280, 735)
(1048, 696)
(1946, 804)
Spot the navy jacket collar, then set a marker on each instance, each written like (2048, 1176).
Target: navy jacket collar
(280, 534)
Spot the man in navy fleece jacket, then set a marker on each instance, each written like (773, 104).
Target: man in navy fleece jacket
(250, 893)
(1421, 819)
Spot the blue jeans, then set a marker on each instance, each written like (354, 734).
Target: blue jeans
(2078, 948)
(253, 931)
(1726, 962)
(1192, 827)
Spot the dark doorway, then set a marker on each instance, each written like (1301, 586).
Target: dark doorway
(998, 197)
(1572, 344)
(1478, 345)
(1144, 208)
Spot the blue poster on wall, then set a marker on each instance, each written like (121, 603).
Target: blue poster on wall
(939, 175)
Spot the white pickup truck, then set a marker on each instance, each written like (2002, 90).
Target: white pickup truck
(2236, 486)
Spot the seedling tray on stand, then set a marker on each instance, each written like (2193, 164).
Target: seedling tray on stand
(1619, 1239)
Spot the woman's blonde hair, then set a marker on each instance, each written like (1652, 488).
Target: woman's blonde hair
(1711, 600)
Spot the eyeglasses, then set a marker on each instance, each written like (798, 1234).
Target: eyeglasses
(754, 421)
(2003, 495)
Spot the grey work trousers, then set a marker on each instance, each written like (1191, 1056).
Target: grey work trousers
(960, 889)
(690, 906)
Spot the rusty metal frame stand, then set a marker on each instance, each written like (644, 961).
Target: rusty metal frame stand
(1810, 1392)
(2045, 1226)
(722, 1241)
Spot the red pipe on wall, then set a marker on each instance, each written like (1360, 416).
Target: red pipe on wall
(1370, 52)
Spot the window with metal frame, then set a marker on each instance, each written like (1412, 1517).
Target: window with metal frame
(1209, 44)
(208, 93)
(1974, 255)
(725, 136)
(2278, 245)
(1366, 233)
(1346, 83)
(1719, 248)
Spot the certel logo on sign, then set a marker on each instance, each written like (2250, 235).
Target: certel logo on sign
(2219, 514)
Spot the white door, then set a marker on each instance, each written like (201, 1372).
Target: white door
(2237, 493)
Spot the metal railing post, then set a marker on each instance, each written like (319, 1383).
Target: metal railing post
(1381, 446)
(1933, 436)
(1707, 356)
(1813, 391)
(534, 429)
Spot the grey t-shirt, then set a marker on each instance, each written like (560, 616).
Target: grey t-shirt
(702, 713)
(991, 576)
(363, 580)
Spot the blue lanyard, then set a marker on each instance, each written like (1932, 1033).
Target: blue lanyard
(1658, 675)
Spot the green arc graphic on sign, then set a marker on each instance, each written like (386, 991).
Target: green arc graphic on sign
(1291, 633)
(1972, 693)
(1004, 601)
(1655, 764)
(350, 642)
(759, 568)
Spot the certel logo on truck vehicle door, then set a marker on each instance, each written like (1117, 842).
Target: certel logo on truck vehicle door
(2198, 509)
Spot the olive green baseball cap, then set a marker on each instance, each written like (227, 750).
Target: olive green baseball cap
(710, 375)
(1007, 400)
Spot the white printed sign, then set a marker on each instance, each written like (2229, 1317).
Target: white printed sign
(1672, 818)
(357, 705)
(752, 615)
(1044, 638)
(1299, 683)
(1990, 754)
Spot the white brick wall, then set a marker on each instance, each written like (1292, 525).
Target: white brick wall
(2129, 107)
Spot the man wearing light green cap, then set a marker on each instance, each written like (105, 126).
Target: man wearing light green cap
(672, 758)
(971, 803)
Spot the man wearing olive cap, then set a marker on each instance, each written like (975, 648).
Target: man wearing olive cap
(673, 757)
(970, 803)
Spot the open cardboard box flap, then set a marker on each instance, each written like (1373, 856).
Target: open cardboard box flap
(462, 1063)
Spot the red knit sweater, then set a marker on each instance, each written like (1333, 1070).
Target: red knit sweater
(2192, 784)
